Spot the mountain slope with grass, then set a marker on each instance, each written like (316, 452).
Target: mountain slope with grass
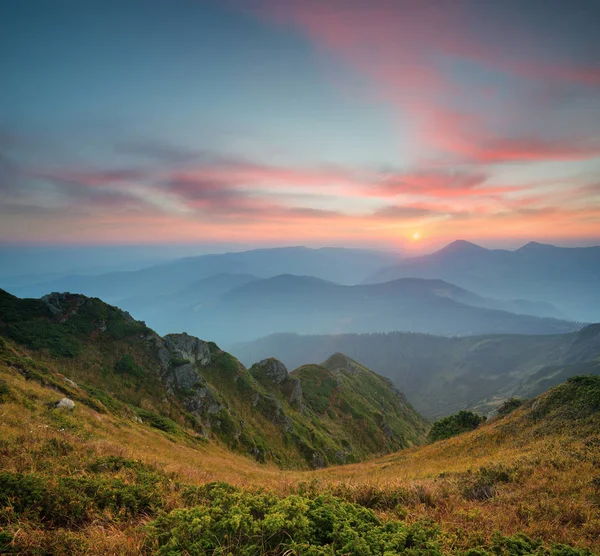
(94, 480)
(441, 375)
(183, 385)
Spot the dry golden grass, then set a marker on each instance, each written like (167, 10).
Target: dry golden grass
(551, 494)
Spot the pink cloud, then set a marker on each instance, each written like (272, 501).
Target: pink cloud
(405, 49)
(438, 184)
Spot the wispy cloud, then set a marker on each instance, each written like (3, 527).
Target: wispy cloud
(411, 51)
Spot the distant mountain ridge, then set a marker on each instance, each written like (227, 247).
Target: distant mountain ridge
(337, 264)
(308, 305)
(443, 375)
(566, 277)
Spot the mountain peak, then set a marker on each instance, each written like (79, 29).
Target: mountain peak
(341, 361)
(461, 246)
(535, 245)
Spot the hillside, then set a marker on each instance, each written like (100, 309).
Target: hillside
(443, 375)
(568, 278)
(186, 386)
(96, 481)
(305, 304)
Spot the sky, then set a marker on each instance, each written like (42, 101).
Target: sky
(382, 123)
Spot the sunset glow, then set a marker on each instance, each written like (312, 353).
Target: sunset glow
(300, 121)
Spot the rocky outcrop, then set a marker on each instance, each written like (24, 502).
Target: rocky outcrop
(203, 402)
(340, 362)
(317, 461)
(296, 397)
(271, 370)
(188, 348)
(273, 410)
(179, 356)
(65, 305)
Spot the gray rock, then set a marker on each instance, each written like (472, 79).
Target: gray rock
(387, 430)
(186, 376)
(296, 397)
(203, 402)
(317, 461)
(184, 346)
(273, 410)
(71, 383)
(60, 302)
(273, 370)
(341, 456)
(65, 403)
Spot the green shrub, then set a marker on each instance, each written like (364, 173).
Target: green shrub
(509, 406)
(463, 421)
(113, 464)
(6, 540)
(157, 421)
(231, 521)
(4, 391)
(72, 501)
(178, 361)
(127, 365)
(522, 545)
(107, 401)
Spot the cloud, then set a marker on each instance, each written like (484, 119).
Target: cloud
(413, 52)
(402, 212)
(437, 184)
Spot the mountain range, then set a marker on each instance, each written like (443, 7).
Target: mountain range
(344, 266)
(568, 278)
(463, 289)
(443, 375)
(305, 304)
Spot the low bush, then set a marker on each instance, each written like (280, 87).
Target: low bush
(157, 421)
(4, 391)
(482, 484)
(232, 521)
(71, 501)
(509, 406)
(463, 421)
(127, 365)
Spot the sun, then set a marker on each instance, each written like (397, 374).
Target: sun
(416, 235)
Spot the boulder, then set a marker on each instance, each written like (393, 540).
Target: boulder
(272, 370)
(65, 403)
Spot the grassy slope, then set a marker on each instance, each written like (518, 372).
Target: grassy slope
(88, 342)
(534, 471)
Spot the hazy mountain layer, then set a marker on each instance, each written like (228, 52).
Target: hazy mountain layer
(345, 266)
(442, 375)
(568, 278)
(307, 305)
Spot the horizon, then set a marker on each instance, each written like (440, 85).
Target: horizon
(38, 260)
(388, 125)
